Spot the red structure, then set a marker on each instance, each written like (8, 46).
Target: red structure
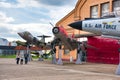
(106, 50)
(20, 48)
(35, 48)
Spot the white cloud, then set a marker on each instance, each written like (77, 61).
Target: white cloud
(11, 30)
(27, 3)
(5, 19)
(20, 4)
(32, 27)
(59, 12)
(5, 5)
(55, 12)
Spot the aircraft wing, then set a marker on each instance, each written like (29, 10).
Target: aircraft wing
(85, 35)
(30, 39)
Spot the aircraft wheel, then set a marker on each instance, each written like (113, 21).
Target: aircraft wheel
(55, 30)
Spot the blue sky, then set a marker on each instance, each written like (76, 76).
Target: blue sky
(31, 15)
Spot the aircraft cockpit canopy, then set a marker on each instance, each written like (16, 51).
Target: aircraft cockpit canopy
(112, 14)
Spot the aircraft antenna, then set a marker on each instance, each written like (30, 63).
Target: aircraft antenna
(51, 24)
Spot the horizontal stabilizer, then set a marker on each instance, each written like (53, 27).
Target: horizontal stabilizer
(44, 36)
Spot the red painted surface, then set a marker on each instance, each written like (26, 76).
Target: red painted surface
(20, 48)
(106, 50)
(63, 31)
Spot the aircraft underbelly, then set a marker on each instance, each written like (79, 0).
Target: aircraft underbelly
(103, 32)
(64, 40)
(93, 31)
(117, 34)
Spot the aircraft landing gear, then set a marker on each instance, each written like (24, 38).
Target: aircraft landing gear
(53, 53)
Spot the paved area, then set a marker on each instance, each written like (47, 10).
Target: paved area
(37, 70)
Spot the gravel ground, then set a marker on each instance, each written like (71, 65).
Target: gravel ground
(44, 70)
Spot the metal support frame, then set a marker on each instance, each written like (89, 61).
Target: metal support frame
(118, 68)
(60, 54)
(54, 54)
(79, 54)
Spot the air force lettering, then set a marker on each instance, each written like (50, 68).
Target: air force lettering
(101, 24)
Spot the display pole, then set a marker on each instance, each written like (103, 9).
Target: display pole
(79, 54)
(118, 68)
(60, 54)
(29, 58)
(54, 55)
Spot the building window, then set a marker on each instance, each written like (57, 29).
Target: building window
(104, 9)
(94, 11)
(116, 5)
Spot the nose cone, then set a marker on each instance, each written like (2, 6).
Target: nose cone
(76, 25)
(21, 34)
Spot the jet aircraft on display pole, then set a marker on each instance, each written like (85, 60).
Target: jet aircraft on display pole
(107, 26)
(30, 39)
(69, 43)
(62, 36)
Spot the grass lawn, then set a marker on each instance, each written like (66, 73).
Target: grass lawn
(7, 56)
(14, 56)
